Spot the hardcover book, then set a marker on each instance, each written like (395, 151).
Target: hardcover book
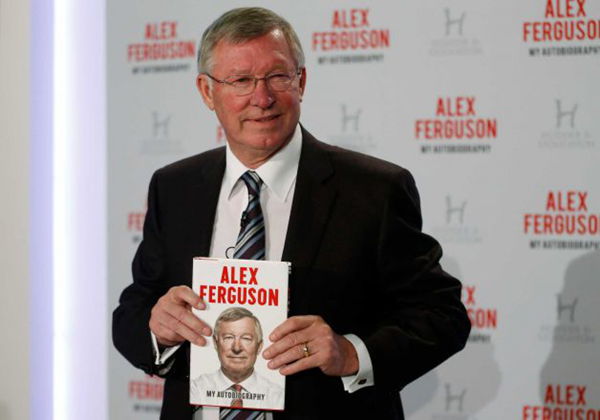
(245, 300)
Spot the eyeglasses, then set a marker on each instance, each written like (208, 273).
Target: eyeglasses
(245, 84)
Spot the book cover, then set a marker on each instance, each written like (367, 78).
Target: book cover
(245, 300)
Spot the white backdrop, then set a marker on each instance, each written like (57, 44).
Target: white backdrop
(492, 105)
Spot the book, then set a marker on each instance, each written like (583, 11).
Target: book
(245, 300)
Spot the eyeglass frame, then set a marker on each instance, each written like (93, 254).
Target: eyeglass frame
(294, 75)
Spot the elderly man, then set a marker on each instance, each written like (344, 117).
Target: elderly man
(370, 308)
(238, 339)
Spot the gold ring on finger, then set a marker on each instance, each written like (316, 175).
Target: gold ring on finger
(305, 349)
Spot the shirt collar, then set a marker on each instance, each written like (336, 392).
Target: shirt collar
(248, 384)
(278, 173)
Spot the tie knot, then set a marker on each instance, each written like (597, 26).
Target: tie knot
(237, 387)
(253, 182)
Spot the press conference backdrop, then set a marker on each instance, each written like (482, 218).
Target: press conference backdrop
(493, 106)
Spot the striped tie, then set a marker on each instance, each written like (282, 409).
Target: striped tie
(250, 245)
(233, 414)
(237, 401)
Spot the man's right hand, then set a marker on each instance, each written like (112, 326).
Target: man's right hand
(173, 322)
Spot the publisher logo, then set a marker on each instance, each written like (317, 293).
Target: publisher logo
(568, 308)
(453, 403)
(455, 399)
(566, 223)
(569, 329)
(456, 127)
(352, 134)
(351, 37)
(565, 131)
(160, 141)
(565, 29)
(161, 50)
(456, 227)
(455, 39)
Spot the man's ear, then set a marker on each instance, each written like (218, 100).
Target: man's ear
(302, 83)
(204, 87)
(260, 345)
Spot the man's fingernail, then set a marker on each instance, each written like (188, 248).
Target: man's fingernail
(201, 305)
(266, 354)
(201, 342)
(206, 331)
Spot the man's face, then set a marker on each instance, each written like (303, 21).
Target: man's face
(237, 346)
(260, 123)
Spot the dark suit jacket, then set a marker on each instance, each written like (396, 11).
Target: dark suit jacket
(359, 260)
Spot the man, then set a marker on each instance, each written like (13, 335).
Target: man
(238, 339)
(370, 308)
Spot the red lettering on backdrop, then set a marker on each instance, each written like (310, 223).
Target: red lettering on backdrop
(350, 31)
(565, 20)
(161, 30)
(353, 18)
(565, 394)
(470, 300)
(565, 9)
(150, 389)
(456, 119)
(455, 107)
(567, 201)
(135, 221)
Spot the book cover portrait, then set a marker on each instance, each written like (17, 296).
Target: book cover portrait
(246, 300)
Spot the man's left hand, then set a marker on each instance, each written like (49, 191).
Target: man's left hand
(306, 342)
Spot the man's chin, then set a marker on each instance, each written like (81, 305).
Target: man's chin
(237, 375)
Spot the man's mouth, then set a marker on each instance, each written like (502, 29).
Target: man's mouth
(265, 119)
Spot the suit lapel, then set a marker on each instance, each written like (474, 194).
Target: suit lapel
(311, 205)
(203, 202)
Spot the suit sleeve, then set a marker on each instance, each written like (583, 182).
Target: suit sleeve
(130, 328)
(421, 321)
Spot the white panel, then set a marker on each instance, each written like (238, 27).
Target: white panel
(471, 56)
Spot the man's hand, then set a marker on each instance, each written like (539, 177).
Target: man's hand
(172, 320)
(305, 342)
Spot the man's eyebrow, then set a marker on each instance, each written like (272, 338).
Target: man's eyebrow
(246, 71)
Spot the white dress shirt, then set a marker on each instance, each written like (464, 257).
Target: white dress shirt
(279, 181)
(266, 394)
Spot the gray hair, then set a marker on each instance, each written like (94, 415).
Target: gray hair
(244, 24)
(235, 314)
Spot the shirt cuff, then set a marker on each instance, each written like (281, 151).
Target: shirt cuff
(162, 360)
(364, 377)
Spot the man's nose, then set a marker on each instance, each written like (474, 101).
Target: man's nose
(237, 345)
(262, 96)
